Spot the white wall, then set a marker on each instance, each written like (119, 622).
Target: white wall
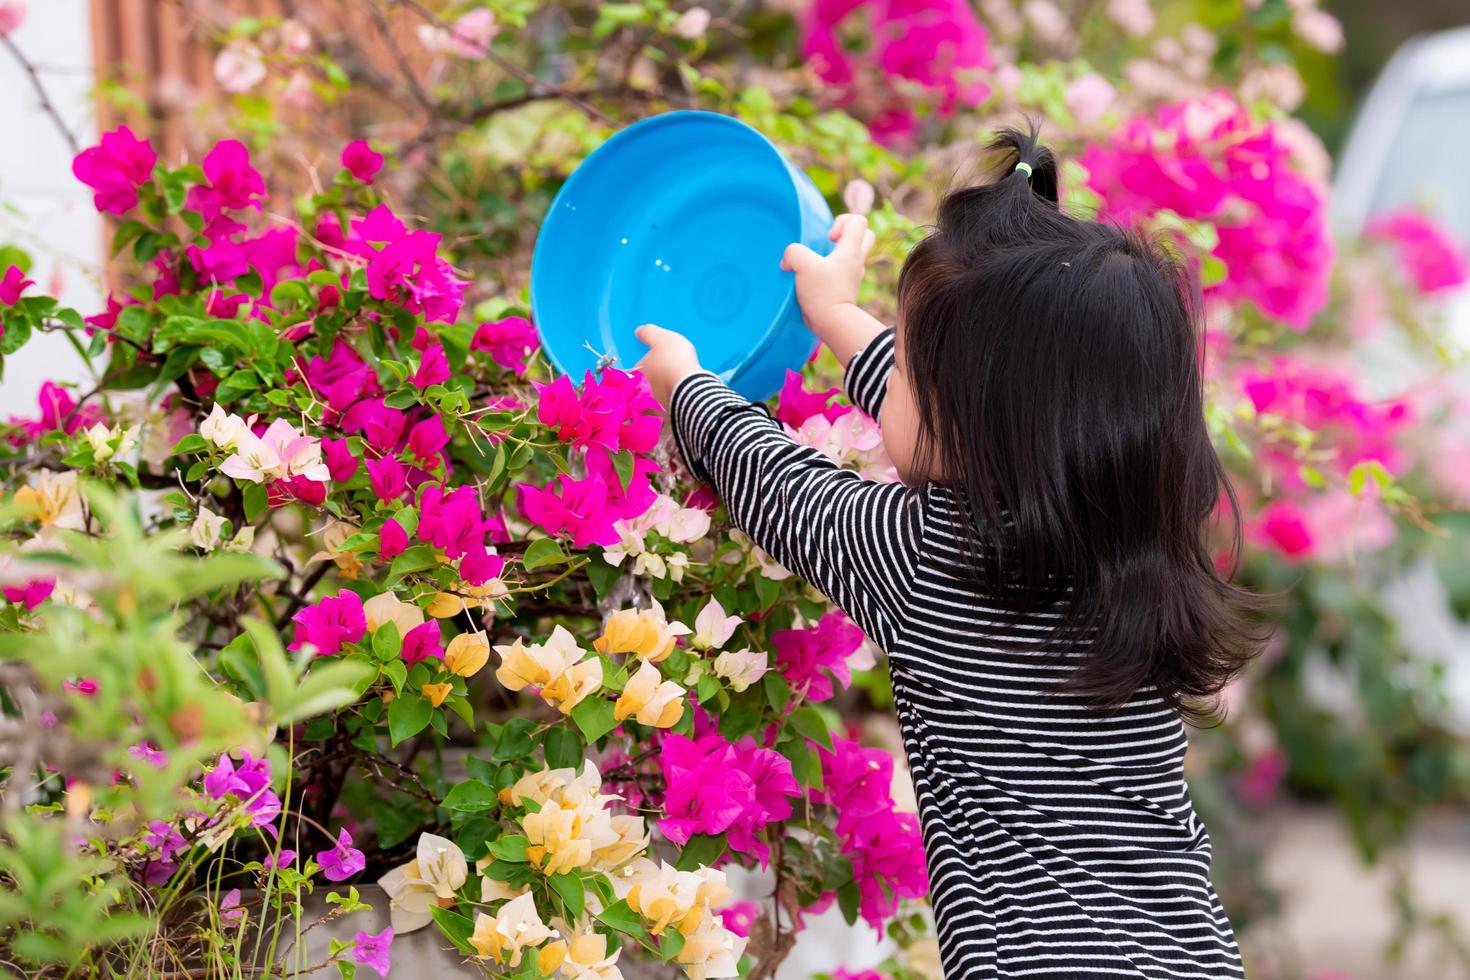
(43, 209)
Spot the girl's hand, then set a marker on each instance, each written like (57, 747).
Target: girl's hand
(827, 285)
(670, 359)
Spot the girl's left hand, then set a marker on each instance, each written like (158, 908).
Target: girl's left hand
(670, 359)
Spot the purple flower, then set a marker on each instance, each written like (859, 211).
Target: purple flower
(230, 909)
(340, 461)
(372, 951)
(167, 842)
(343, 861)
(282, 859)
(249, 782)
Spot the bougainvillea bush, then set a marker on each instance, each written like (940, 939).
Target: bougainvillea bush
(323, 592)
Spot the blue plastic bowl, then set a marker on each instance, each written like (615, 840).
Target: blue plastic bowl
(679, 220)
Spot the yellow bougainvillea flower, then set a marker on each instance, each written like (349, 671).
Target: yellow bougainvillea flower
(666, 896)
(436, 693)
(569, 829)
(711, 951)
(445, 605)
(633, 838)
(585, 958)
(504, 936)
(431, 878)
(647, 633)
(388, 608)
(52, 499)
(466, 654)
(658, 705)
(334, 535)
(557, 667)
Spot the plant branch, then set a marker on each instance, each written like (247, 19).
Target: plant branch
(47, 106)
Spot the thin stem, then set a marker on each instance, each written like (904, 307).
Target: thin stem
(47, 106)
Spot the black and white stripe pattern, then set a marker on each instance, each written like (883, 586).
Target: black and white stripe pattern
(1061, 842)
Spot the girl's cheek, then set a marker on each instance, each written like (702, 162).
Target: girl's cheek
(900, 425)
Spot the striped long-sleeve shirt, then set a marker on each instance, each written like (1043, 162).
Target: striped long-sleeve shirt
(1061, 841)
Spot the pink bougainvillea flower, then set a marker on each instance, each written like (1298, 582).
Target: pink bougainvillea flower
(426, 438)
(341, 378)
(423, 642)
(12, 15)
(107, 319)
(32, 593)
(510, 342)
(341, 464)
(1257, 786)
(433, 368)
(342, 860)
(233, 185)
(479, 565)
(714, 787)
(115, 168)
(469, 37)
(451, 521)
(162, 842)
(812, 659)
(795, 404)
(1282, 526)
(58, 411)
(409, 271)
(1433, 261)
(249, 782)
(331, 622)
(588, 508)
(1206, 159)
(373, 950)
(614, 411)
(392, 540)
(740, 916)
(380, 426)
(283, 858)
(388, 477)
(12, 285)
(857, 782)
(841, 974)
(359, 159)
(149, 753)
(293, 488)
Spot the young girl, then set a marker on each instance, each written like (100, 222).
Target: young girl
(1040, 580)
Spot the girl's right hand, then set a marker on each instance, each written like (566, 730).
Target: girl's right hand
(827, 285)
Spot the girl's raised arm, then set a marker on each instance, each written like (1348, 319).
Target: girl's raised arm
(856, 540)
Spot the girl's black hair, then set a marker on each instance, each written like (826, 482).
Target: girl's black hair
(1056, 366)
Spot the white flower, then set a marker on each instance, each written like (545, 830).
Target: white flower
(101, 437)
(712, 627)
(1318, 28)
(52, 499)
(207, 529)
(253, 460)
(388, 608)
(295, 38)
(239, 67)
(243, 540)
(742, 668)
(858, 196)
(692, 24)
(222, 429)
(1135, 17)
(711, 951)
(429, 879)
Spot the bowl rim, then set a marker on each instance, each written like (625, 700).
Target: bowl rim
(643, 125)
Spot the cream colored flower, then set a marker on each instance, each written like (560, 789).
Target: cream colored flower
(584, 958)
(436, 693)
(557, 667)
(742, 668)
(445, 605)
(712, 627)
(101, 438)
(655, 704)
(52, 499)
(466, 654)
(633, 838)
(207, 529)
(570, 828)
(431, 878)
(646, 633)
(223, 430)
(333, 536)
(388, 608)
(663, 895)
(503, 937)
(711, 951)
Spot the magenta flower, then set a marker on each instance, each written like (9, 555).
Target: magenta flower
(233, 185)
(333, 621)
(453, 521)
(433, 368)
(149, 753)
(1257, 786)
(12, 285)
(740, 916)
(426, 439)
(509, 341)
(410, 272)
(249, 782)
(162, 843)
(382, 427)
(115, 168)
(32, 593)
(283, 858)
(359, 160)
(795, 404)
(423, 642)
(279, 493)
(1432, 260)
(392, 540)
(812, 659)
(714, 787)
(587, 509)
(58, 411)
(374, 951)
(479, 566)
(342, 861)
(615, 411)
(388, 477)
(340, 461)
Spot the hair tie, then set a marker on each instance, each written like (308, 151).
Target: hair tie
(1023, 165)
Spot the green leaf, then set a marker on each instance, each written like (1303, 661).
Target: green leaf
(602, 575)
(625, 463)
(670, 943)
(255, 500)
(595, 717)
(618, 916)
(778, 691)
(511, 847)
(470, 796)
(848, 900)
(543, 552)
(515, 739)
(701, 851)
(456, 928)
(570, 888)
(767, 591)
(415, 559)
(191, 443)
(387, 644)
(563, 748)
(808, 722)
(407, 716)
(325, 687)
